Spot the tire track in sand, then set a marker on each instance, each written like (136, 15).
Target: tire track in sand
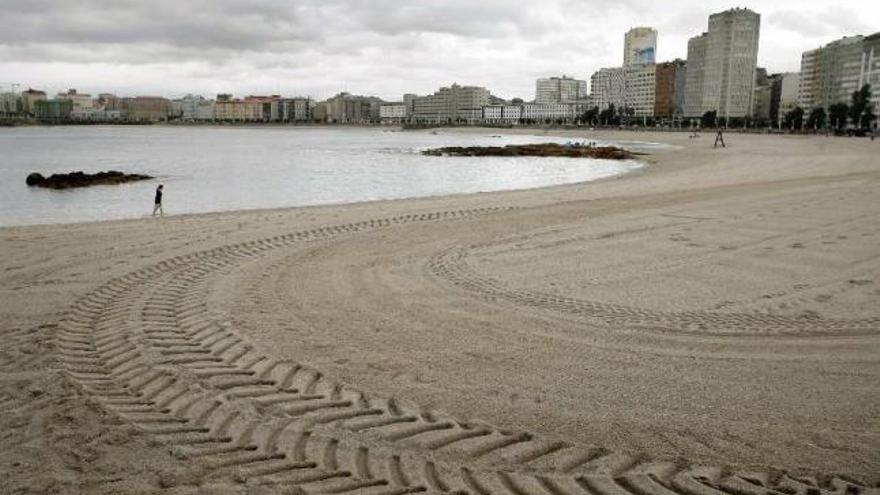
(452, 266)
(145, 347)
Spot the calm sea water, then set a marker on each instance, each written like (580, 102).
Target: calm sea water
(208, 169)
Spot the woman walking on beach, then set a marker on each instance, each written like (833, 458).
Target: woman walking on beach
(158, 204)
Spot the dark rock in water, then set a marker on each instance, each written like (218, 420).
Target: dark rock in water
(81, 179)
(546, 149)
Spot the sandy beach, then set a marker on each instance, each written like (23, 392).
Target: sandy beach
(707, 325)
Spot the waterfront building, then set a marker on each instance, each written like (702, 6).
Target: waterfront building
(270, 107)
(80, 100)
(53, 110)
(560, 90)
(29, 99)
(640, 83)
(409, 101)
(392, 113)
(108, 101)
(722, 64)
(95, 114)
(546, 113)
(10, 105)
(194, 108)
(502, 114)
(640, 46)
(669, 90)
(146, 108)
(298, 109)
(453, 104)
(608, 87)
(346, 108)
(229, 109)
(832, 73)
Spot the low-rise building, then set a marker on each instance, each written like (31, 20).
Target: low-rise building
(392, 113)
(229, 109)
(298, 109)
(80, 100)
(53, 110)
(192, 108)
(97, 115)
(29, 100)
(146, 108)
(10, 105)
(346, 108)
(549, 112)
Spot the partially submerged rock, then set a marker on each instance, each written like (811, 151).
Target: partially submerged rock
(81, 179)
(545, 149)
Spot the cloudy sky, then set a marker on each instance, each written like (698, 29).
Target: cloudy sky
(380, 47)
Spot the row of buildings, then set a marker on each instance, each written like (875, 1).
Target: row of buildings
(720, 76)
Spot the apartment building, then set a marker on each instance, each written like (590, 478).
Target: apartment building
(452, 104)
(608, 87)
(669, 92)
(29, 100)
(640, 83)
(832, 73)
(560, 90)
(80, 100)
(721, 66)
(146, 108)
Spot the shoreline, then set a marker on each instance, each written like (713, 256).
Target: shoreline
(643, 159)
(696, 312)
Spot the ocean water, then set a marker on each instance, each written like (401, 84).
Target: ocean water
(206, 169)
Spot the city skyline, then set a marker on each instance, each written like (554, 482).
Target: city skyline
(380, 49)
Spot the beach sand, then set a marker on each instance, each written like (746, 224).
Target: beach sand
(706, 325)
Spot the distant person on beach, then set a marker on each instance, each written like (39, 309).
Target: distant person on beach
(695, 133)
(719, 138)
(158, 204)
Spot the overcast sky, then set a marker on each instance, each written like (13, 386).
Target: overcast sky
(378, 47)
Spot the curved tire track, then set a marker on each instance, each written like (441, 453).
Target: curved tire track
(145, 347)
(452, 266)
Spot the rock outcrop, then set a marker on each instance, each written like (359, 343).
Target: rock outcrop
(545, 149)
(81, 179)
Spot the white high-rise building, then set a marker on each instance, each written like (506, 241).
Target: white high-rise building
(609, 88)
(722, 65)
(640, 46)
(560, 90)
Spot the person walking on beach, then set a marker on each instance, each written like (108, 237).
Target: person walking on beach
(158, 204)
(719, 138)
